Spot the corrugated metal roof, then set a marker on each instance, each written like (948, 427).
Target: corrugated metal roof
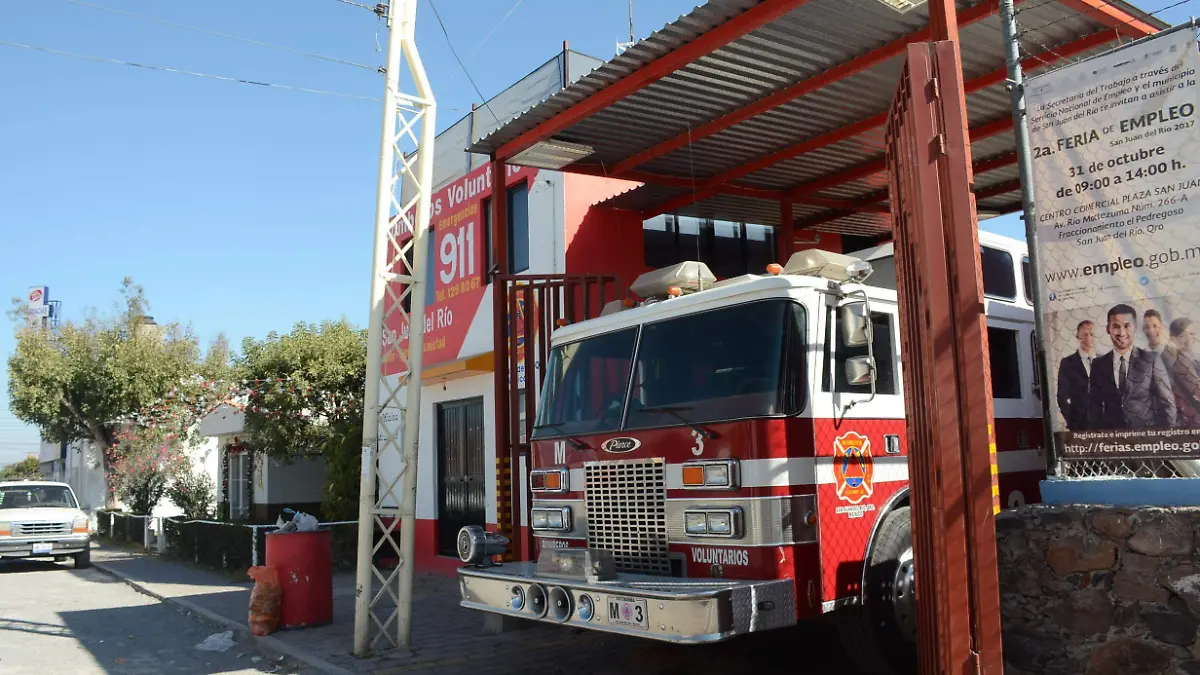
(809, 40)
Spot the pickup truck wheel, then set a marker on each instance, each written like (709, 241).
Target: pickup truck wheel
(83, 560)
(880, 635)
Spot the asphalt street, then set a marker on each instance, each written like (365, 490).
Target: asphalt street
(55, 619)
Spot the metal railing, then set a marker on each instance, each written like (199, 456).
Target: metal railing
(212, 543)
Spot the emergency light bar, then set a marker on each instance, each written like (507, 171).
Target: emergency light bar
(827, 265)
(687, 277)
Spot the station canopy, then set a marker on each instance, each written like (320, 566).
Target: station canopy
(742, 104)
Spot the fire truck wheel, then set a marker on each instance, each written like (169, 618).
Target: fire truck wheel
(880, 635)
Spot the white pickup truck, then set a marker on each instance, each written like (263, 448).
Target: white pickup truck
(42, 519)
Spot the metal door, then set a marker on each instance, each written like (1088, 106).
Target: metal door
(946, 373)
(527, 308)
(461, 486)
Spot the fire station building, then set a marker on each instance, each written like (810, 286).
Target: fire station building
(576, 224)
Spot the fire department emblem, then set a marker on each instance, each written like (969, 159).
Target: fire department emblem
(853, 468)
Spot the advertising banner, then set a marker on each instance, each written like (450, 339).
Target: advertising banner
(456, 270)
(1116, 163)
(37, 309)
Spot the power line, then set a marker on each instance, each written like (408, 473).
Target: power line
(1091, 11)
(493, 30)
(184, 26)
(177, 71)
(377, 9)
(1028, 34)
(460, 61)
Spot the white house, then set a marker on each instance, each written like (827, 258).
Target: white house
(253, 486)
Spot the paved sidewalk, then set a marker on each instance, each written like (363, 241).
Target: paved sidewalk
(450, 640)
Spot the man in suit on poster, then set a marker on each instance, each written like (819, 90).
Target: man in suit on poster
(1130, 388)
(1155, 330)
(1074, 372)
(1180, 362)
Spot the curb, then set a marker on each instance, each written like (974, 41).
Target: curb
(266, 642)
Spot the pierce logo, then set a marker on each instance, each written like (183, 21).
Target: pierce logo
(853, 468)
(620, 445)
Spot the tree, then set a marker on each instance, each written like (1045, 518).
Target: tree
(26, 468)
(90, 380)
(306, 393)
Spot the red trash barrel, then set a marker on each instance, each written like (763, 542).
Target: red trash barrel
(305, 564)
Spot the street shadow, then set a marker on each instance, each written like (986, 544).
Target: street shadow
(150, 638)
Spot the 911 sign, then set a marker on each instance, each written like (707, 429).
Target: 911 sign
(455, 274)
(459, 249)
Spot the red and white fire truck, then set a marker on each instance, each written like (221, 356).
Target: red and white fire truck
(730, 456)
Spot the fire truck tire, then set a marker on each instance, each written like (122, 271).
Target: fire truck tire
(880, 635)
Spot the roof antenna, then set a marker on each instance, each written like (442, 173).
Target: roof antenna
(622, 46)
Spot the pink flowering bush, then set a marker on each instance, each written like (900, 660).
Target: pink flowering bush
(141, 465)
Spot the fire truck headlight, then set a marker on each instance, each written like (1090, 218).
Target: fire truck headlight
(695, 522)
(720, 523)
(556, 519)
(586, 607)
(716, 475)
(725, 523)
(720, 474)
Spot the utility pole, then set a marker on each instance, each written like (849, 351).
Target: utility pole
(1016, 91)
(398, 262)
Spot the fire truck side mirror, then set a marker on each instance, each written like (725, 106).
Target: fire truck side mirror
(856, 324)
(860, 370)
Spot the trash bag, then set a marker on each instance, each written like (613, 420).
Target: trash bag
(266, 600)
(217, 642)
(305, 522)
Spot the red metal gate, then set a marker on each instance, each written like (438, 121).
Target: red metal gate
(526, 309)
(945, 358)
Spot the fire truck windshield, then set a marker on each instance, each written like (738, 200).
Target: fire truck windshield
(735, 362)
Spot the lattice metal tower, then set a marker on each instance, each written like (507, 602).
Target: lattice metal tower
(388, 499)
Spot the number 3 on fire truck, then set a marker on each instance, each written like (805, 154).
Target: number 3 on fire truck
(560, 452)
(698, 448)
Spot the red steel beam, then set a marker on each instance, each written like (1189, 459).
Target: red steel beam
(859, 206)
(711, 186)
(785, 234)
(757, 16)
(674, 181)
(1104, 12)
(852, 67)
(728, 189)
(879, 165)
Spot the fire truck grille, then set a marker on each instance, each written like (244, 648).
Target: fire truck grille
(627, 513)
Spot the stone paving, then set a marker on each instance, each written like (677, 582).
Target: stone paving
(450, 640)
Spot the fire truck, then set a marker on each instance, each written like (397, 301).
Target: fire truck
(726, 457)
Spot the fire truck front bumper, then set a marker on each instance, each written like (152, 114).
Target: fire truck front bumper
(688, 611)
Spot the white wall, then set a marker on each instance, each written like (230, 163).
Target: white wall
(427, 487)
(85, 475)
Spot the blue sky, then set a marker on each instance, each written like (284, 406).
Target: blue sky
(241, 209)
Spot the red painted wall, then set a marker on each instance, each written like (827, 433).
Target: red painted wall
(601, 240)
(830, 241)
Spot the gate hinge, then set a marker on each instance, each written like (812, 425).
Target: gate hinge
(934, 89)
(975, 662)
(939, 145)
